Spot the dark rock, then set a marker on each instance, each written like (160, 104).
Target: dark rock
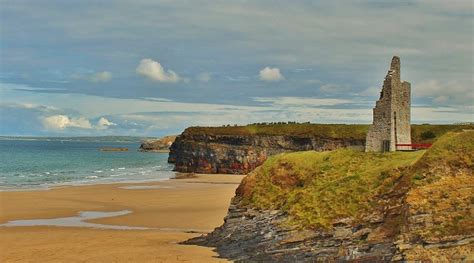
(250, 235)
(240, 154)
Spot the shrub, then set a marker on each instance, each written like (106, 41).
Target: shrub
(427, 135)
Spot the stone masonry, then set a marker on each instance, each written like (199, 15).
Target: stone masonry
(391, 115)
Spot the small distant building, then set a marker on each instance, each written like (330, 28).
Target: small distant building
(391, 115)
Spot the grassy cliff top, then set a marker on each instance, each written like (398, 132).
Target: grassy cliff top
(324, 130)
(420, 133)
(317, 187)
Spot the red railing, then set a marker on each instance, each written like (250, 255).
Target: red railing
(412, 146)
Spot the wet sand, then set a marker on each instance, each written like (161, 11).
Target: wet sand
(170, 211)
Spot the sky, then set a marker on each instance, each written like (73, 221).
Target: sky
(152, 68)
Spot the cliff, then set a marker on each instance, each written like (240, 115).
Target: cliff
(353, 206)
(157, 145)
(240, 149)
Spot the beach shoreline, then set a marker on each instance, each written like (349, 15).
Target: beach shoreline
(169, 211)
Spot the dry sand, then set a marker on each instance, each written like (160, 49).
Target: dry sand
(171, 208)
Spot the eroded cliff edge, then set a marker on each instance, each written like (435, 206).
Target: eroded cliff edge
(351, 206)
(239, 150)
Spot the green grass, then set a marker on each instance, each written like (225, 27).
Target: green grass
(450, 147)
(442, 187)
(453, 151)
(420, 133)
(317, 187)
(323, 130)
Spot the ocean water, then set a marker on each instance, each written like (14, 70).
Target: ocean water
(42, 163)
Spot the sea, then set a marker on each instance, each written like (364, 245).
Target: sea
(41, 163)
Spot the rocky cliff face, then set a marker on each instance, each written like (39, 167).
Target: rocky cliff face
(255, 235)
(250, 235)
(157, 145)
(240, 154)
(425, 214)
(439, 207)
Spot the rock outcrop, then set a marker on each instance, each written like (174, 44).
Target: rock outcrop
(250, 235)
(157, 145)
(423, 215)
(240, 149)
(439, 208)
(240, 154)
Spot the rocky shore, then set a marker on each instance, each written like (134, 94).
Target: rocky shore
(251, 235)
(424, 214)
(388, 234)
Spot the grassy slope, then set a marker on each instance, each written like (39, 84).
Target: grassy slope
(317, 187)
(443, 186)
(325, 130)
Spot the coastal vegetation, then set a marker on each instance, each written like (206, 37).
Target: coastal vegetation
(442, 186)
(316, 188)
(421, 133)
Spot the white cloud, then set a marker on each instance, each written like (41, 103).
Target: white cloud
(151, 116)
(154, 71)
(271, 74)
(61, 122)
(42, 108)
(445, 93)
(302, 102)
(334, 88)
(204, 77)
(103, 76)
(96, 77)
(156, 99)
(103, 124)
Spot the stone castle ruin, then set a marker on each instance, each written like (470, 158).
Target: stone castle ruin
(391, 115)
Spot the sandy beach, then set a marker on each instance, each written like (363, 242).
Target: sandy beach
(164, 213)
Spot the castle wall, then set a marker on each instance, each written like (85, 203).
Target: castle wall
(391, 115)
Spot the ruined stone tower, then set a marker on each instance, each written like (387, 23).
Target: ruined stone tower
(391, 124)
